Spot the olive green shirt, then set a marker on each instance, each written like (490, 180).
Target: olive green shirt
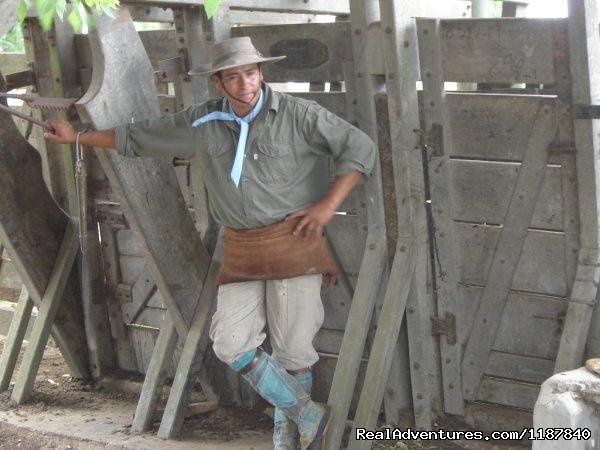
(285, 164)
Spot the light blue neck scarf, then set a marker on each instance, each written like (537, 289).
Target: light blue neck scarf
(238, 162)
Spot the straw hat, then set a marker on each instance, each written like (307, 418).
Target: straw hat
(233, 52)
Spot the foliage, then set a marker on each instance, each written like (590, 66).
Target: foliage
(79, 14)
(12, 41)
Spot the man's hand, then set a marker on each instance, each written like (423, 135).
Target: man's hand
(63, 132)
(314, 218)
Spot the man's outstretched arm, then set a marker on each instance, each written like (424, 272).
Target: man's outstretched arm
(319, 214)
(65, 134)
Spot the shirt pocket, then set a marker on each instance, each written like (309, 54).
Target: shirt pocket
(217, 160)
(275, 162)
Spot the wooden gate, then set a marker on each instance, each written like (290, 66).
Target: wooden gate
(502, 181)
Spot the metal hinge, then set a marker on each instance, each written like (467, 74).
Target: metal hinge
(433, 139)
(562, 148)
(586, 111)
(446, 326)
(109, 215)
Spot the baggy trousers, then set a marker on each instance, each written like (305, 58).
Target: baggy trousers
(291, 308)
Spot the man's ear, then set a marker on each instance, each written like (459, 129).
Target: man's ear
(216, 82)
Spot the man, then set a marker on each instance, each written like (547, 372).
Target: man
(264, 160)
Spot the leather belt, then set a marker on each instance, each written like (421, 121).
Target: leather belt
(252, 364)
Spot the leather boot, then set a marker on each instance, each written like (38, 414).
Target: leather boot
(283, 391)
(285, 431)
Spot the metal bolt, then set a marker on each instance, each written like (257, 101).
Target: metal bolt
(403, 248)
(406, 44)
(359, 74)
(419, 396)
(450, 386)
(416, 365)
(388, 30)
(357, 32)
(373, 247)
(411, 309)
(448, 360)
(391, 76)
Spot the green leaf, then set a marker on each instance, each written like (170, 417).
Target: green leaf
(73, 19)
(107, 9)
(61, 7)
(211, 6)
(22, 11)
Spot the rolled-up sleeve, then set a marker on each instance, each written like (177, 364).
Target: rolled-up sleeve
(166, 136)
(350, 148)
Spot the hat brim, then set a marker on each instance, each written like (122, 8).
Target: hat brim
(207, 69)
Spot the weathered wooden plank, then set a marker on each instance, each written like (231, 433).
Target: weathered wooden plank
(505, 392)
(143, 341)
(128, 243)
(146, 188)
(386, 338)
(435, 113)
(131, 268)
(583, 50)
(338, 7)
(14, 339)
(487, 417)
(530, 325)
(152, 387)
(151, 317)
(519, 368)
(159, 45)
(30, 230)
(347, 235)
(509, 249)
(315, 51)
(475, 246)
(374, 262)
(490, 126)
(498, 51)
(46, 316)
(483, 190)
(191, 357)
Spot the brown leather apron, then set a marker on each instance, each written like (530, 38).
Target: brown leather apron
(274, 253)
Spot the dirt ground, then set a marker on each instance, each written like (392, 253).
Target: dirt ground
(56, 395)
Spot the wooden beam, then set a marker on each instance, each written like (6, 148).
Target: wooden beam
(14, 339)
(336, 7)
(584, 46)
(46, 316)
(386, 337)
(361, 89)
(145, 410)
(191, 358)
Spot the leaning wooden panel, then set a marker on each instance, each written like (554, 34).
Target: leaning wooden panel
(519, 367)
(507, 392)
(491, 126)
(159, 45)
(122, 89)
(482, 192)
(31, 228)
(315, 51)
(498, 50)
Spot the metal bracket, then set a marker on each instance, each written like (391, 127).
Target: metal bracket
(586, 111)
(562, 148)
(446, 326)
(110, 216)
(433, 139)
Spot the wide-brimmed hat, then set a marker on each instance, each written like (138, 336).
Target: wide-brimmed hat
(233, 52)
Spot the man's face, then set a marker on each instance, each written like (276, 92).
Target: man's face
(241, 84)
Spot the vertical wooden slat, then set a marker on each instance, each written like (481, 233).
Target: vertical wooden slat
(435, 114)
(584, 46)
(364, 14)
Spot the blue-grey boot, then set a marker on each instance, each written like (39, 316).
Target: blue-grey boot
(285, 431)
(283, 391)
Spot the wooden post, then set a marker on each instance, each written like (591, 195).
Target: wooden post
(364, 14)
(46, 315)
(584, 46)
(14, 339)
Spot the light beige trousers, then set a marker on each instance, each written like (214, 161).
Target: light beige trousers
(291, 308)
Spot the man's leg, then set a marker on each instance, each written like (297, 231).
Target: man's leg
(294, 314)
(237, 326)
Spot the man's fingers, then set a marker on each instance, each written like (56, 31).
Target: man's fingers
(309, 228)
(301, 225)
(300, 213)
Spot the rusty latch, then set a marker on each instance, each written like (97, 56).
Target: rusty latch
(446, 326)
(586, 111)
(433, 139)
